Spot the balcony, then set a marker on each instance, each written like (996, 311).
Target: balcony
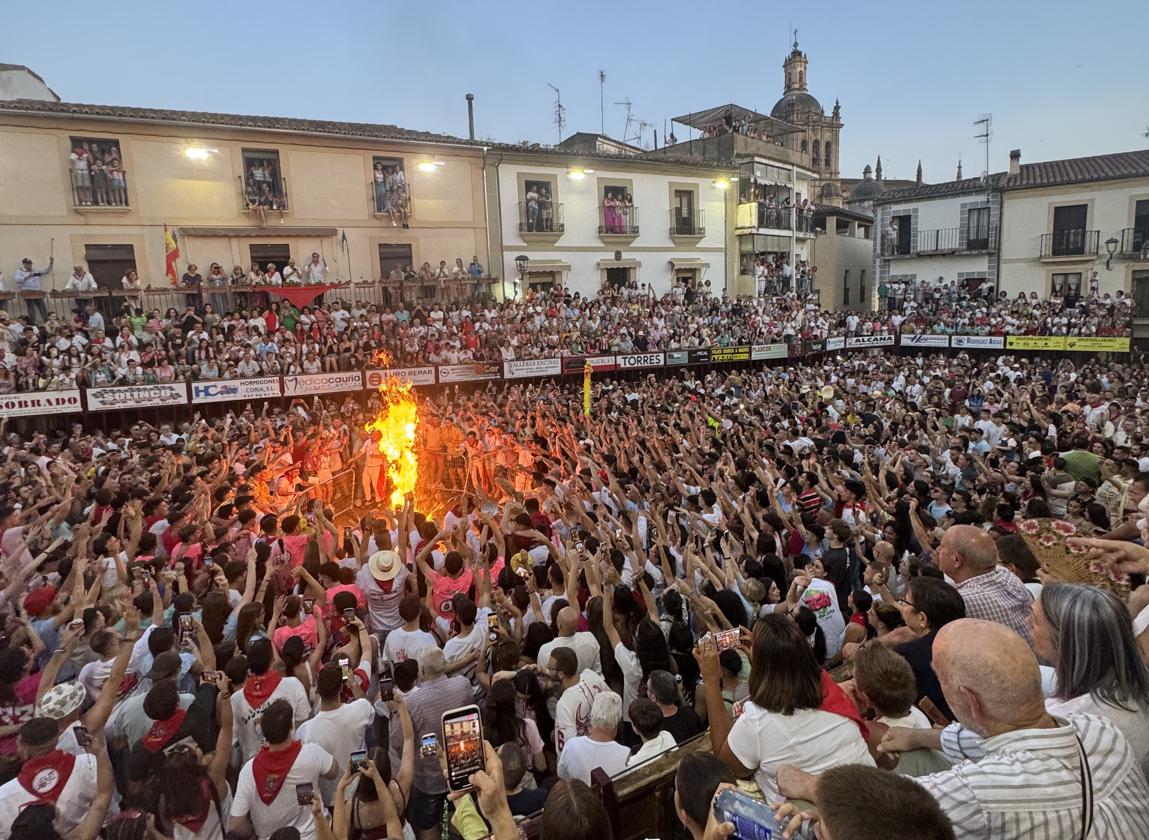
(540, 221)
(1070, 245)
(264, 195)
(896, 248)
(942, 241)
(617, 225)
(100, 191)
(1135, 243)
(687, 226)
(804, 222)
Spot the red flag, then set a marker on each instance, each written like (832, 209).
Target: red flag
(171, 256)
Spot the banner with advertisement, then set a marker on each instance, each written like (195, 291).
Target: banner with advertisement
(526, 368)
(36, 403)
(923, 340)
(977, 342)
(118, 397)
(641, 360)
(1097, 344)
(471, 372)
(736, 353)
(374, 377)
(321, 383)
(1035, 342)
(229, 390)
(855, 342)
(816, 346)
(601, 364)
(768, 351)
(691, 356)
(835, 343)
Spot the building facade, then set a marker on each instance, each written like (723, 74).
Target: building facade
(944, 233)
(588, 221)
(1073, 226)
(96, 185)
(842, 251)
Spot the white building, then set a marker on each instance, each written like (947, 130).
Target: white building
(585, 220)
(1070, 222)
(943, 233)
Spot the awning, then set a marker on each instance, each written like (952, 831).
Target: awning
(258, 232)
(689, 262)
(717, 116)
(536, 267)
(601, 264)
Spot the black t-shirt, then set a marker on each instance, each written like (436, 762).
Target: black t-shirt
(683, 724)
(527, 802)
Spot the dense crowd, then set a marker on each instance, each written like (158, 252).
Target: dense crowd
(897, 597)
(228, 329)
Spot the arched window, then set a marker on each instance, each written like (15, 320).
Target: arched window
(805, 147)
(829, 148)
(817, 156)
(801, 78)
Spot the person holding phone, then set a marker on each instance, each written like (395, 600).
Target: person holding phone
(275, 788)
(338, 727)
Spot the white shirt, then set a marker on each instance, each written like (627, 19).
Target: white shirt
(402, 645)
(631, 676)
(340, 732)
(311, 763)
(460, 646)
(84, 283)
(572, 712)
(822, 600)
(73, 804)
(246, 718)
(581, 756)
(584, 644)
(663, 742)
(810, 738)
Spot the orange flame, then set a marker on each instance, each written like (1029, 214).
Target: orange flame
(396, 424)
(380, 358)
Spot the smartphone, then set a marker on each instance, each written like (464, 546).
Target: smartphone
(187, 742)
(429, 745)
(727, 639)
(83, 739)
(358, 757)
(346, 535)
(386, 682)
(304, 793)
(752, 819)
(348, 614)
(208, 562)
(309, 604)
(213, 677)
(463, 738)
(345, 665)
(76, 624)
(185, 624)
(493, 626)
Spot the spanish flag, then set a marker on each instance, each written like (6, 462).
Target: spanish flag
(171, 257)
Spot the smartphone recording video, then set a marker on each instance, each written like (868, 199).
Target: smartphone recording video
(429, 745)
(727, 639)
(463, 738)
(386, 683)
(304, 792)
(357, 760)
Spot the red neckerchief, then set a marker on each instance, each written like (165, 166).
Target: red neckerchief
(194, 823)
(46, 776)
(163, 731)
(270, 768)
(258, 688)
(345, 693)
(835, 701)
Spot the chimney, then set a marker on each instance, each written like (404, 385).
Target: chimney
(471, 115)
(1015, 162)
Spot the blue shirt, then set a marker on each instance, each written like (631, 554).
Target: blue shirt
(475, 269)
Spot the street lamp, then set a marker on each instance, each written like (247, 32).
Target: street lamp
(1111, 246)
(521, 264)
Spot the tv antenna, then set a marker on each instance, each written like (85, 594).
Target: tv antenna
(985, 123)
(601, 104)
(560, 111)
(627, 104)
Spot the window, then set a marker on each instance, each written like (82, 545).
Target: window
(846, 288)
(897, 236)
(826, 151)
(1065, 285)
(537, 208)
(109, 263)
(1141, 294)
(542, 282)
(977, 222)
(817, 156)
(394, 256)
(1140, 228)
(862, 288)
(863, 231)
(805, 147)
(97, 173)
(1069, 230)
(263, 185)
(389, 181)
(278, 255)
(617, 213)
(842, 227)
(686, 219)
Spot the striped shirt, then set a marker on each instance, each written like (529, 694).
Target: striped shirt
(1028, 783)
(998, 596)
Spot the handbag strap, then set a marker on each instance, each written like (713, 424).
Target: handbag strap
(1086, 789)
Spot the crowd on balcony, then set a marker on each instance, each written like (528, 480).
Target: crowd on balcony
(911, 606)
(391, 197)
(618, 212)
(98, 178)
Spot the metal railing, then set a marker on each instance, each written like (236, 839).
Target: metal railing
(617, 220)
(1135, 243)
(775, 218)
(939, 239)
(804, 221)
(100, 187)
(264, 193)
(540, 217)
(687, 223)
(896, 248)
(1075, 242)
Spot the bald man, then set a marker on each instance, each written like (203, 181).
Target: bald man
(968, 555)
(584, 644)
(1024, 774)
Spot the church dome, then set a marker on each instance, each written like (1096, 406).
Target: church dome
(867, 189)
(795, 102)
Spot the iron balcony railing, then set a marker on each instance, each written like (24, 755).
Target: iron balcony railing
(268, 193)
(687, 222)
(952, 240)
(542, 216)
(1075, 242)
(614, 220)
(775, 218)
(1135, 243)
(100, 186)
(804, 221)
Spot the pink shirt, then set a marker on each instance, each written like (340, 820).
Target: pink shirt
(444, 588)
(306, 630)
(360, 598)
(296, 545)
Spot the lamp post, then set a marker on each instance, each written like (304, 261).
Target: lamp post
(521, 264)
(1111, 246)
